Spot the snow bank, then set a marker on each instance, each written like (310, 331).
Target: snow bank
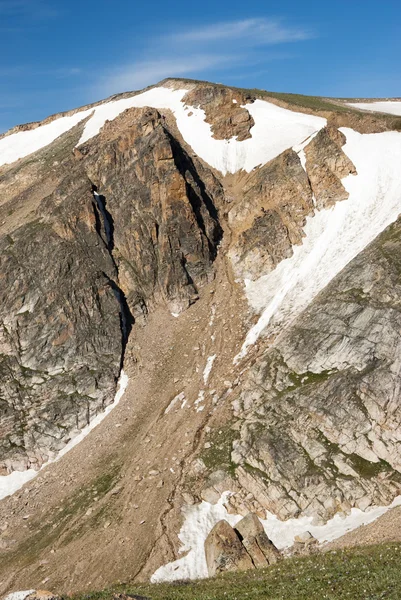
(275, 130)
(21, 144)
(333, 237)
(392, 107)
(199, 519)
(19, 595)
(9, 484)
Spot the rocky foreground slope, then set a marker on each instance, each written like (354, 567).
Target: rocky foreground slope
(237, 255)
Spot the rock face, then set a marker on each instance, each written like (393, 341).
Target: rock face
(319, 412)
(60, 337)
(224, 551)
(225, 111)
(245, 547)
(269, 219)
(326, 165)
(163, 206)
(81, 269)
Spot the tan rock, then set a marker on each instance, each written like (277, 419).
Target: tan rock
(262, 551)
(224, 550)
(42, 595)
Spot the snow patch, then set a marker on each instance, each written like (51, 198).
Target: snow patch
(9, 484)
(275, 130)
(391, 107)
(179, 398)
(334, 236)
(21, 144)
(199, 519)
(208, 368)
(19, 595)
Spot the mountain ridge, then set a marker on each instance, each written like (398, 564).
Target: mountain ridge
(182, 223)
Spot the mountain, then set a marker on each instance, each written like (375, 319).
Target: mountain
(199, 319)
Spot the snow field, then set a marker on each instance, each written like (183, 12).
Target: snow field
(275, 130)
(200, 519)
(391, 107)
(21, 144)
(334, 236)
(9, 484)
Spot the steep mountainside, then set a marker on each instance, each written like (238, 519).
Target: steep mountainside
(235, 254)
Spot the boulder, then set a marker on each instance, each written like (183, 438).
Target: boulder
(261, 550)
(224, 550)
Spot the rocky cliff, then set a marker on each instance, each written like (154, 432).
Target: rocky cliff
(157, 233)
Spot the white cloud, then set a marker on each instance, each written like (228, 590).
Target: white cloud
(230, 44)
(249, 31)
(142, 73)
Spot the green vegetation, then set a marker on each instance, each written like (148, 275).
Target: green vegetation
(66, 523)
(369, 573)
(368, 469)
(218, 456)
(309, 377)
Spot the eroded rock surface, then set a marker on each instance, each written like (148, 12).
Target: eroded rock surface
(319, 411)
(245, 547)
(225, 111)
(261, 550)
(327, 164)
(77, 270)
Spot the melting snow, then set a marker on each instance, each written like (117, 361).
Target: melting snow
(385, 106)
(19, 595)
(18, 145)
(9, 484)
(208, 368)
(300, 149)
(199, 519)
(179, 398)
(275, 130)
(333, 237)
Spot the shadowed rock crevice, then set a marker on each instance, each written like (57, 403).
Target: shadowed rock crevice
(126, 318)
(198, 197)
(108, 222)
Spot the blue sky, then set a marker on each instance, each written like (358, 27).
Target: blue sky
(59, 54)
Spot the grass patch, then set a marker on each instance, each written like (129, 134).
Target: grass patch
(218, 456)
(65, 525)
(369, 573)
(309, 377)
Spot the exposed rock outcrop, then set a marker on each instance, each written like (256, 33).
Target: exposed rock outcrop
(327, 164)
(245, 547)
(224, 109)
(224, 550)
(61, 325)
(319, 411)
